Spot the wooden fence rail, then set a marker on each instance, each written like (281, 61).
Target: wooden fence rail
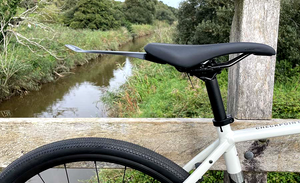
(177, 139)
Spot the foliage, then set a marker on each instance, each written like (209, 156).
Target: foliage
(92, 14)
(204, 21)
(28, 3)
(8, 9)
(276, 177)
(66, 4)
(140, 11)
(286, 91)
(213, 176)
(48, 13)
(10, 66)
(285, 72)
(288, 38)
(127, 13)
(118, 12)
(117, 176)
(165, 13)
(174, 10)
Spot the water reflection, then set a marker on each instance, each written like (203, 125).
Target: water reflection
(120, 76)
(76, 95)
(78, 102)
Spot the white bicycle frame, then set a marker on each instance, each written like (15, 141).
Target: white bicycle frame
(226, 144)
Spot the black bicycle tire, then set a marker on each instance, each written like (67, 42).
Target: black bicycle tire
(122, 152)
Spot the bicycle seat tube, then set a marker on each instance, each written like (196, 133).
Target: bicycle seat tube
(220, 120)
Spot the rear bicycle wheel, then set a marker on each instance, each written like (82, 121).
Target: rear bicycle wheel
(110, 161)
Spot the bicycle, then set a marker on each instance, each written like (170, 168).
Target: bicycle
(195, 60)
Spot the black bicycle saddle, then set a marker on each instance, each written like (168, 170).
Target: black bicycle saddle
(189, 56)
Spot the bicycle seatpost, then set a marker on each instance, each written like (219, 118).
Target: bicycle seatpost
(216, 102)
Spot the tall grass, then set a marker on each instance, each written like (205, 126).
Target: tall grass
(286, 100)
(38, 66)
(161, 91)
(157, 90)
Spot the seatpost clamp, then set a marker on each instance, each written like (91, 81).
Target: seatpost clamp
(224, 122)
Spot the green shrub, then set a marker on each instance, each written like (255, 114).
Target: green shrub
(213, 177)
(8, 9)
(140, 11)
(286, 72)
(279, 177)
(288, 36)
(117, 176)
(165, 13)
(204, 21)
(286, 98)
(92, 14)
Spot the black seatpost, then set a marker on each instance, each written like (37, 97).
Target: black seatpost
(216, 101)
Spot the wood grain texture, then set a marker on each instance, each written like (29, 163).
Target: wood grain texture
(251, 82)
(177, 139)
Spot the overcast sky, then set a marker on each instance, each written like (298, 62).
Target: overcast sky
(174, 3)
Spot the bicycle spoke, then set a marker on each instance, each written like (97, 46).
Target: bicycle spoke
(66, 173)
(124, 174)
(97, 171)
(41, 178)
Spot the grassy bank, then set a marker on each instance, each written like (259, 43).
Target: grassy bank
(161, 91)
(157, 90)
(26, 67)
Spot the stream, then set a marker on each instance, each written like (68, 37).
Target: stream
(79, 94)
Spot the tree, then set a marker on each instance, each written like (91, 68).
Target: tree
(140, 11)
(289, 32)
(28, 3)
(92, 14)
(118, 12)
(165, 13)
(204, 21)
(8, 9)
(66, 4)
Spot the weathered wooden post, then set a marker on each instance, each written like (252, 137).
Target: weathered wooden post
(251, 82)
